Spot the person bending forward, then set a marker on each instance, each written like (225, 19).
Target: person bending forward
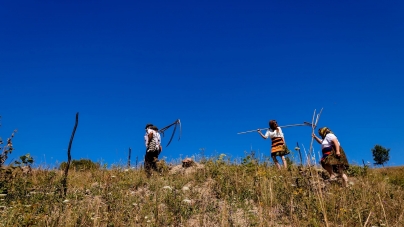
(333, 154)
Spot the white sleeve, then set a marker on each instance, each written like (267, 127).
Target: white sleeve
(280, 132)
(146, 139)
(330, 137)
(268, 134)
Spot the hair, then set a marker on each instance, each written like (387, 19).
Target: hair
(154, 128)
(324, 131)
(273, 125)
(148, 125)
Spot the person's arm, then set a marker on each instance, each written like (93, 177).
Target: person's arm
(336, 143)
(149, 138)
(146, 140)
(262, 135)
(282, 135)
(161, 147)
(316, 138)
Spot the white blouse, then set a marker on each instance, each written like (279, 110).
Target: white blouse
(271, 133)
(327, 141)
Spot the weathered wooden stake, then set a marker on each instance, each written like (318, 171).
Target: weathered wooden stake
(130, 151)
(69, 157)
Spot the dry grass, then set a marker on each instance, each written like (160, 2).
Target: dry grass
(217, 193)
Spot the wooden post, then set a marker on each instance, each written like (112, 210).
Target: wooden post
(69, 157)
(130, 151)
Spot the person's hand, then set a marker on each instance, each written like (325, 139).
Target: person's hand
(258, 130)
(313, 135)
(338, 154)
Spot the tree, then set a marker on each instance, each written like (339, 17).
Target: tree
(380, 155)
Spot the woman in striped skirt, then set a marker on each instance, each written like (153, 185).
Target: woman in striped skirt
(278, 147)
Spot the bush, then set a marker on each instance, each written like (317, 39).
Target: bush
(80, 165)
(355, 171)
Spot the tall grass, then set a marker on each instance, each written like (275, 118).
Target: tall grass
(221, 193)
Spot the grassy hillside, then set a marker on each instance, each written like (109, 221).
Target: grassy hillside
(212, 193)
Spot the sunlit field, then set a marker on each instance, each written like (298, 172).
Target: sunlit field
(212, 192)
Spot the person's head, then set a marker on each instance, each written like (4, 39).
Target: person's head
(148, 126)
(273, 124)
(324, 131)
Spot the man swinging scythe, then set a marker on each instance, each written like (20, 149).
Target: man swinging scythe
(153, 144)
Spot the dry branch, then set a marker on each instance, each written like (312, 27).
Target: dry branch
(69, 157)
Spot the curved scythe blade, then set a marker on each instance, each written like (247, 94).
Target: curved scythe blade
(172, 135)
(176, 123)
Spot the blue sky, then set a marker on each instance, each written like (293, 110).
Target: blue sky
(220, 66)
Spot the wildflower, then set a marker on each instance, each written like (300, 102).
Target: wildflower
(221, 157)
(167, 187)
(253, 211)
(187, 201)
(185, 189)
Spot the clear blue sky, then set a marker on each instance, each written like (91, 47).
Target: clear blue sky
(220, 66)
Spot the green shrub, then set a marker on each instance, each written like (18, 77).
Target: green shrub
(81, 165)
(355, 171)
(399, 181)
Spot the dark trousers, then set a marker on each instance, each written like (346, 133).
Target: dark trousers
(150, 160)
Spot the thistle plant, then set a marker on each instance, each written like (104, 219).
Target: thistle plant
(7, 148)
